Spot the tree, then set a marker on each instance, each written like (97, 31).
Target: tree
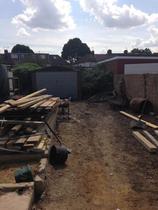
(125, 52)
(96, 80)
(145, 51)
(74, 49)
(109, 52)
(21, 49)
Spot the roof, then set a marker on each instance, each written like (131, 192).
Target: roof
(129, 58)
(101, 57)
(57, 60)
(98, 57)
(86, 58)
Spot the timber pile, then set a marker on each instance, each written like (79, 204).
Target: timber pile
(31, 101)
(22, 128)
(148, 138)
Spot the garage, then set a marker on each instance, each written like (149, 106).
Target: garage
(59, 81)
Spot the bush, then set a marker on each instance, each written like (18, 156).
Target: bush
(23, 72)
(25, 67)
(96, 80)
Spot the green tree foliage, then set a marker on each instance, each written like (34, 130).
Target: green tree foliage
(96, 80)
(125, 52)
(21, 49)
(145, 51)
(74, 49)
(109, 52)
(25, 67)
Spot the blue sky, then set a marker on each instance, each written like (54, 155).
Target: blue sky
(45, 25)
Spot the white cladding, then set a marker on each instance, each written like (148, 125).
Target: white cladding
(145, 68)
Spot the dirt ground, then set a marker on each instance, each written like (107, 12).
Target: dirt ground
(7, 171)
(107, 170)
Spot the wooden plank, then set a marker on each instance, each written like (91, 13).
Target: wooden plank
(55, 98)
(41, 145)
(52, 104)
(46, 103)
(23, 122)
(15, 129)
(28, 146)
(12, 186)
(1, 105)
(145, 142)
(10, 143)
(151, 138)
(34, 139)
(38, 104)
(34, 101)
(41, 98)
(6, 107)
(20, 141)
(16, 158)
(18, 103)
(156, 132)
(37, 93)
(137, 119)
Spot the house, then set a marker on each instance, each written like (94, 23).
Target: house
(88, 61)
(135, 76)
(4, 86)
(91, 60)
(60, 81)
(43, 59)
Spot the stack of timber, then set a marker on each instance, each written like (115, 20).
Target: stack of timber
(32, 101)
(23, 134)
(148, 138)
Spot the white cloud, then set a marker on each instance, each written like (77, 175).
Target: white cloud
(45, 14)
(110, 14)
(151, 42)
(22, 32)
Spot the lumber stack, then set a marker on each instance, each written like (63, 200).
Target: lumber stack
(33, 101)
(25, 143)
(22, 127)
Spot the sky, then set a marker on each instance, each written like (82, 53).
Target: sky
(46, 25)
